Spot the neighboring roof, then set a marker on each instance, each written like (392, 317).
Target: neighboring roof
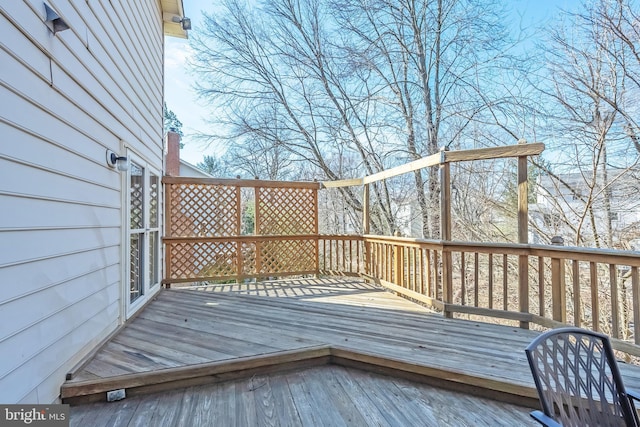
(171, 9)
(189, 170)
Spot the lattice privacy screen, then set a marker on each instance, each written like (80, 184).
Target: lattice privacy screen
(203, 210)
(204, 223)
(287, 211)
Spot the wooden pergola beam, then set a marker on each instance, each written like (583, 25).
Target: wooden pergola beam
(518, 150)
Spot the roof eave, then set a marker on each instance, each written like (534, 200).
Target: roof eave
(171, 9)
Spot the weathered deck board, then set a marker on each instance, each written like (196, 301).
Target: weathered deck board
(217, 323)
(321, 396)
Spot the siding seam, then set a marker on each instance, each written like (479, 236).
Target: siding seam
(44, 258)
(59, 172)
(42, 319)
(42, 349)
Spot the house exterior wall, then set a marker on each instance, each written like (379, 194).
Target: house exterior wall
(64, 100)
(191, 171)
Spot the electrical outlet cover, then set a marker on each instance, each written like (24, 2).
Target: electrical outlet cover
(114, 395)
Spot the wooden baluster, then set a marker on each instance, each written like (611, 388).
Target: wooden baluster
(415, 269)
(577, 315)
(429, 290)
(436, 276)
(595, 296)
(635, 290)
(332, 266)
(399, 265)
(476, 274)
(490, 280)
(505, 286)
(541, 285)
(615, 314)
(558, 293)
(421, 252)
(463, 277)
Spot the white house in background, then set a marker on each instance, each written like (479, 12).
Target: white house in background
(79, 239)
(562, 200)
(192, 171)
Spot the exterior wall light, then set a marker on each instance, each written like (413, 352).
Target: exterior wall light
(184, 22)
(119, 162)
(53, 20)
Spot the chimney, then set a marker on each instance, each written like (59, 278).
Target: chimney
(173, 154)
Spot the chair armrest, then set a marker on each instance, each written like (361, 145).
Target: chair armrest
(634, 394)
(540, 417)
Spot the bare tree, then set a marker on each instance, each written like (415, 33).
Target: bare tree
(361, 86)
(277, 78)
(587, 86)
(433, 66)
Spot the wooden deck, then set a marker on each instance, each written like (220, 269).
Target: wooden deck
(189, 337)
(320, 396)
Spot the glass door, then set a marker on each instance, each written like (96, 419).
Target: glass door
(143, 201)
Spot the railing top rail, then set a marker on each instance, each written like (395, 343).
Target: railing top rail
(518, 150)
(610, 256)
(241, 182)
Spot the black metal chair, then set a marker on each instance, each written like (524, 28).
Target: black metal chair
(578, 380)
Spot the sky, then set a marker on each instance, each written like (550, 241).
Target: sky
(181, 97)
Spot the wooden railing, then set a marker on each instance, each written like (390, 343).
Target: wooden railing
(590, 288)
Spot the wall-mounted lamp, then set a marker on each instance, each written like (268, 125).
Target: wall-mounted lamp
(53, 20)
(184, 22)
(119, 162)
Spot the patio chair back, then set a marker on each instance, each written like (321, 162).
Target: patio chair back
(578, 380)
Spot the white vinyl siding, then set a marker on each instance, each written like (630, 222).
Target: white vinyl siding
(65, 100)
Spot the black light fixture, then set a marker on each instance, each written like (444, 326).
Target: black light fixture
(54, 21)
(119, 162)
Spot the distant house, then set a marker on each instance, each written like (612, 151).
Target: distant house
(561, 201)
(81, 89)
(192, 171)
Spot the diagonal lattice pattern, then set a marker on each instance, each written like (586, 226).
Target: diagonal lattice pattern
(203, 259)
(287, 211)
(136, 196)
(200, 210)
(248, 258)
(577, 381)
(287, 256)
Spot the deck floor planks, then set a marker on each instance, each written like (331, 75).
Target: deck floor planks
(229, 321)
(285, 409)
(321, 396)
(263, 400)
(158, 347)
(276, 316)
(389, 320)
(358, 395)
(195, 342)
(330, 330)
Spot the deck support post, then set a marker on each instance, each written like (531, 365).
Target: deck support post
(445, 230)
(558, 292)
(238, 231)
(523, 235)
